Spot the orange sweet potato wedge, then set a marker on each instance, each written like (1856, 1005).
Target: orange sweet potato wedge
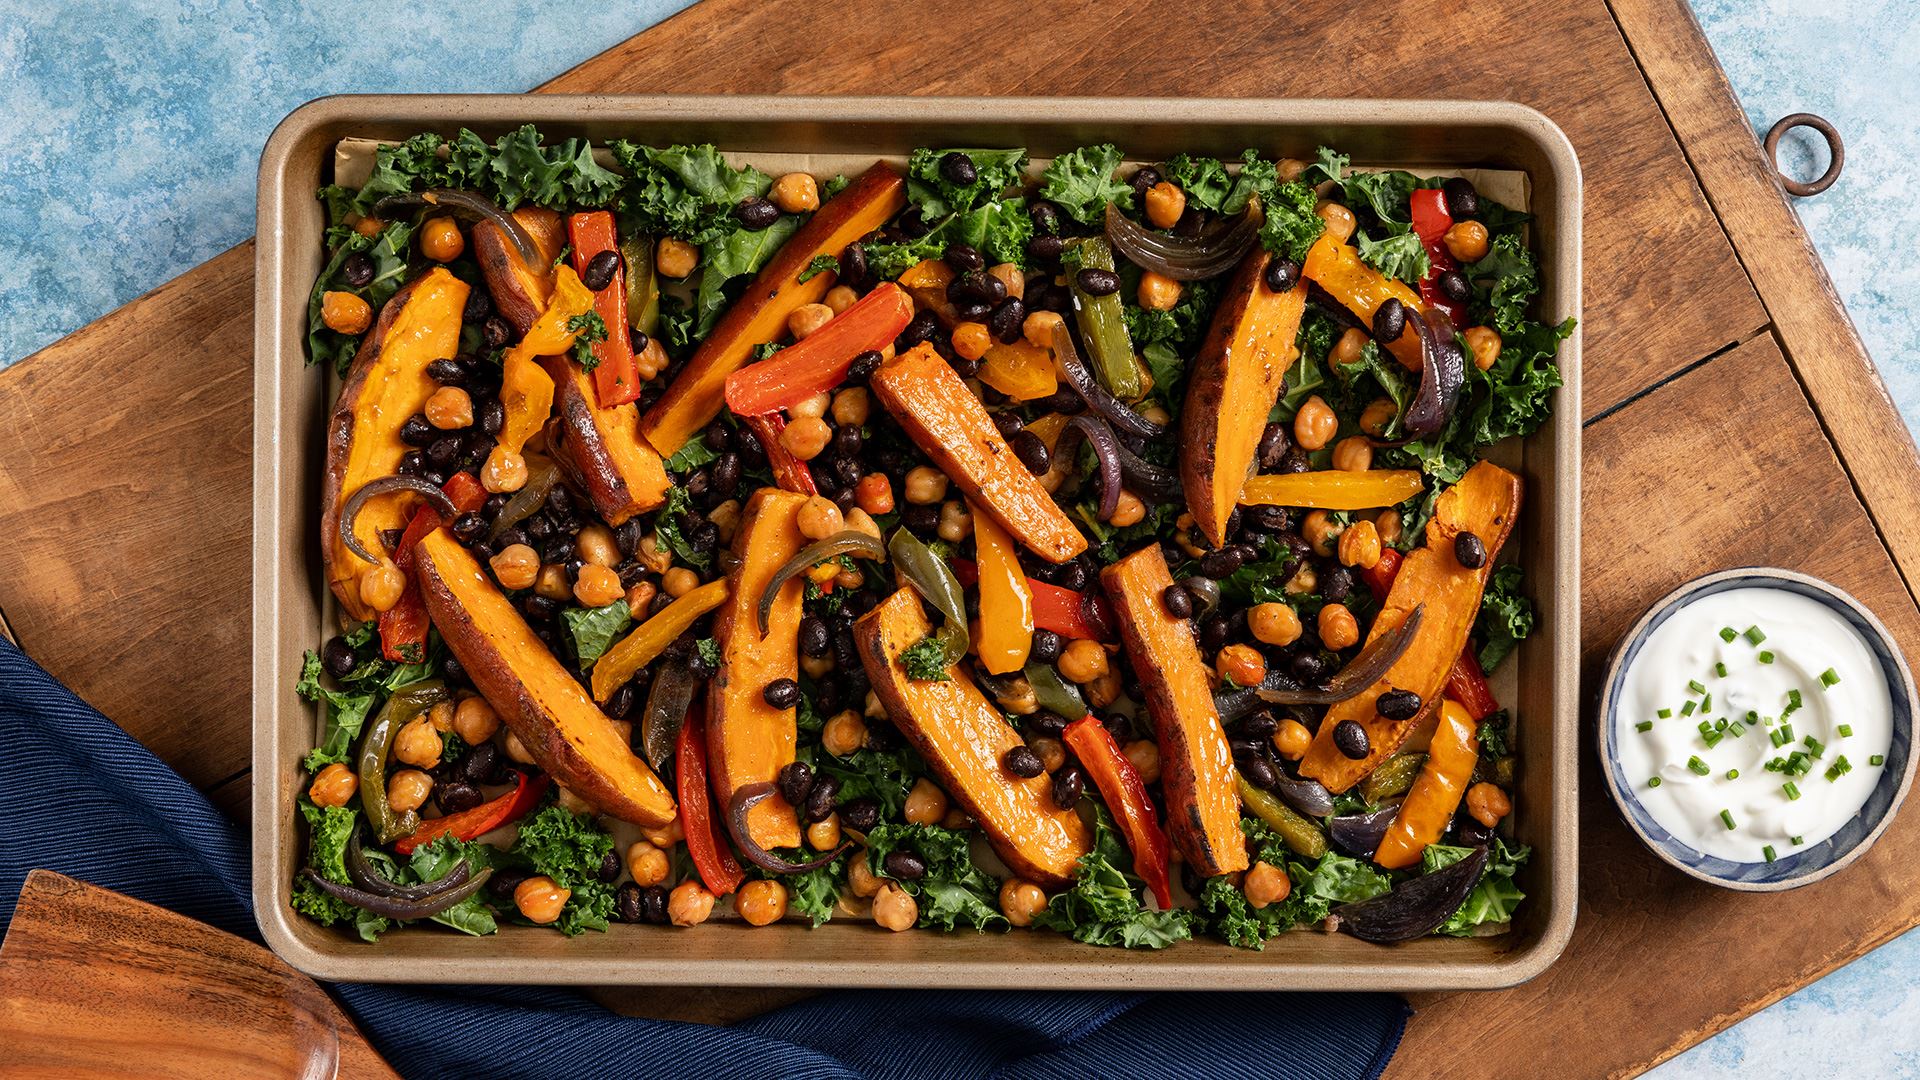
(1485, 502)
(387, 384)
(1236, 379)
(760, 315)
(945, 420)
(964, 740)
(519, 290)
(537, 699)
(1196, 766)
(601, 449)
(748, 740)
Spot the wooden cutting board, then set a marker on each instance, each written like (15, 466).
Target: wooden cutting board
(1733, 418)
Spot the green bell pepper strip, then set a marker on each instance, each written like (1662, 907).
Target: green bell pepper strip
(406, 703)
(643, 287)
(1103, 325)
(1300, 834)
(1394, 776)
(1053, 693)
(933, 579)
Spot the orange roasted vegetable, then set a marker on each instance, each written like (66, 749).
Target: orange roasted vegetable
(1485, 502)
(1006, 600)
(1023, 371)
(1436, 792)
(1334, 489)
(760, 315)
(526, 390)
(1336, 267)
(964, 739)
(1196, 766)
(942, 416)
(926, 281)
(600, 448)
(387, 384)
(537, 699)
(647, 641)
(520, 290)
(748, 740)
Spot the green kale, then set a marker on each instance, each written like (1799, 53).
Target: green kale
(1506, 616)
(1515, 396)
(1334, 879)
(672, 525)
(345, 713)
(1102, 906)
(1081, 183)
(1504, 283)
(954, 890)
(570, 849)
(821, 264)
(733, 256)
(935, 196)
(1181, 326)
(998, 229)
(815, 892)
(1495, 898)
(691, 456)
(1327, 165)
(591, 631)
(926, 660)
(676, 327)
(1169, 370)
(589, 329)
(1492, 735)
(1207, 184)
(688, 192)
(438, 858)
(834, 186)
(1400, 255)
(709, 650)
(766, 349)
(517, 169)
(1291, 226)
(389, 254)
(328, 830)
(1385, 193)
(884, 776)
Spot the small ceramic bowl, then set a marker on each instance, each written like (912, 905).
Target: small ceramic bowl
(1800, 867)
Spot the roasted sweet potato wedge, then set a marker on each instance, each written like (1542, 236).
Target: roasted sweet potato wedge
(387, 384)
(1235, 381)
(1485, 502)
(760, 315)
(943, 417)
(520, 291)
(550, 712)
(748, 740)
(601, 450)
(964, 739)
(1196, 766)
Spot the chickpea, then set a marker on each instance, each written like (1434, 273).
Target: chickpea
(1052, 752)
(596, 545)
(345, 313)
(573, 802)
(806, 437)
(335, 786)
(926, 803)
(926, 485)
(859, 520)
(1291, 740)
(1083, 661)
(843, 733)
(861, 880)
(824, 835)
(679, 581)
(1379, 415)
(407, 790)
(1289, 169)
(1337, 628)
(1339, 219)
(648, 863)
(689, 903)
(1488, 803)
(1165, 203)
(1485, 343)
(418, 744)
(381, 586)
(819, 518)
(675, 258)
(796, 193)
(1315, 424)
(1389, 526)
(1303, 582)
(653, 554)
(894, 908)
(541, 899)
(956, 521)
(1038, 328)
(650, 361)
(1104, 690)
(808, 318)
(1349, 347)
(1241, 663)
(666, 836)
(1012, 277)
(1157, 292)
(640, 600)
(597, 586)
(369, 227)
(726, 519)
(1466, 241)
(1321, 532)
(551, 582)
(516, 750)
(1265, 884)
(475, 721)
(505, 471)
(972, 340)
(1274, 623)
(1128, 509)
(851, 406)
(1021, 900)
(761, 901)
(440, 717)
(840, 298)
(440, 239)
(874, 494)
(450, 409)
(1156, 413)
(1353, 454)
(816, 666)
(1360, 545)
(1145, 755)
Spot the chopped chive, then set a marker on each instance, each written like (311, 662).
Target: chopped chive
(1728, 633)
(1720, 724)
(1797, 764)
(1735, 729)
(1829, 677)
(1653, 781)
(1793, 700)
(1845, 730)
(1664, 714)
(1697, 767)
(1877, 759)
(1786, 730)
(1768, 852)
(1778, 736)
(1706, 704)
(1720, 668)
(1693, 686)
(1754, 636)
(1733, 774)
(1687, 709)
(1728, 818)
(1819, 748)
(1792, 791)
(1840, 767)
(1765, 657)
(1644, 725)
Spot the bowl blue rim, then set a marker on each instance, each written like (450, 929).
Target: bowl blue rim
(1803, 867)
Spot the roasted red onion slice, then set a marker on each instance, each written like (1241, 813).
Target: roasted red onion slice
(473, 206)
(744, 800)
(1216, 250)
(387, 485)
(1368, 668)
(1443, 369)
(1098, 398)
(395, 908)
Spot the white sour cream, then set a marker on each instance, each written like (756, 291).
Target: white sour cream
(1805, 640)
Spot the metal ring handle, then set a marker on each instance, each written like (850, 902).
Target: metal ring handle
(1835, 152)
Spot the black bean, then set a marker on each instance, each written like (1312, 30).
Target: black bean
(441, 453)
(863, 367)
(796, 780)
(1398, 704)
(1204, 590)
(653, 904)
(1469, 550)
(820, 799)
(1220, 564)
(1046, 248)
(1213, 632)
(1050, 724)
(1008, 320)
(495, 332)
(539, 608)
(509, 538)
(1469, 832)
(1046, 646)
(853, 266)
(480, 763)
(504, 882)
(622, 701)
(492, 416)
(610, 867)
(921, 519)
(600, 270)
(815, 638)
(1260, 725)
(1259, 773)
(1071, 576)
(479, 306)
(1336, 584)
(1069, 784)
(904, 866)
(417, 432)
(1097, 282)
(448, 372)
(337, 657)
(357, 270)
(1143, 180)
(862, 813)
(923, 327)
(1310, 667)
(1351, 739)
(1178, 601)
(1389, 320)
(1295, 461)
(963, 258)
(1462, 200)
(411, 464)
(1046, 217)
(1267, 519)
(469, 527)
(1282, 274)
(1275, 441)
(756, 213)
(1031, 451)
(638, 341)
(627, 906)
(454, 670)
(957, 168)
(1021, 761)
(1453, 285)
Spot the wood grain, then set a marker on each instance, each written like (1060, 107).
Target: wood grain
(93, 983)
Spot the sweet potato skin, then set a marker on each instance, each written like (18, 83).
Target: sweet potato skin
(1196, 766)
(386, 384)
(536, 698)
(1485, 502)
(520, 291)
(1236, 379)
(601, 449)
(929, 400)
(964, 739)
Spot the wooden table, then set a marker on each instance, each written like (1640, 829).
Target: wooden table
(1733, 418)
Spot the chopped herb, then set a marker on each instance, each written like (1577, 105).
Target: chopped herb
(1644, 725)
(1733, 774)
(1687, 708)
(1653, 781)
(1736, 729)
(1766, 657)
(1727, 817)
(926, 660)
(1877, 759)
(1792, 790)
(1706, 704)
(1665, 714)
(1720, 668)
(1694, 686)
(1720, 724)
(1728, 633)
(1819, 748)
(1798, 839)
(1768, 852)
(1697, 767)
(1829, 677)
(1753, 718)
(1845, 730)
(1840, 767)
(589, 329)
(1753, 635)
(1793, 702)
(821, 264)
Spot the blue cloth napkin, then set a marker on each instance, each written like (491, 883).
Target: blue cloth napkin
(79, 796)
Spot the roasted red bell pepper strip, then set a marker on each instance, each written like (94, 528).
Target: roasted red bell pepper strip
(403, 627)
(1126, 797)
(1466, 683)
(819, 361)
(1061, 610)
(706, 844)
(483, 819)
(1431, 222)
(1379, 577)
(616, 375)
(789, 472)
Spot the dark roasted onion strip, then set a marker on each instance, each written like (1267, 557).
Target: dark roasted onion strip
(844, 542)
(1309, 797)
(394, 908)
(1187, 258)
(1098, 398)
(1106, 450)
(542, 474)
(387, 485)
(475, 206)
(1443, 368)
(744, 800)
(363, 873)
(668, 700)
(1368, 668)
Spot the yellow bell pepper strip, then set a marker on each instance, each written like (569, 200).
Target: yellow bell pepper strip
(1048, 428)
(926, 281)
(1022, 371)
(1336, 267)
(648, 640)
(526, 390)
(1006, 601)
(1436, 792)
(1333, 489)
